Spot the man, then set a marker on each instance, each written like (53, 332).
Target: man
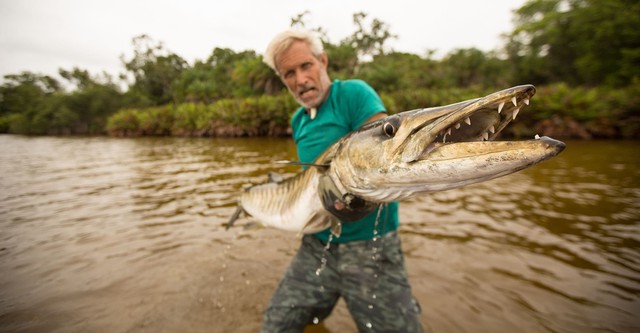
(364, 265)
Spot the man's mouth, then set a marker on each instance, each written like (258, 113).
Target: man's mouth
(304, 91)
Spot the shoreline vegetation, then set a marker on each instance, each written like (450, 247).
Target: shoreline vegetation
(556, 110)
(582, 56)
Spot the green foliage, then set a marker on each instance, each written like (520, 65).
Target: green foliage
(343, 60)
(252, 116)
(124, 123)
(403, 100)
(399, 71)
(226, 74)
(154, 70)
(27, 103)
(35, 104)
(604, 112)
(581, 42)
(582, 54)
(472, 67)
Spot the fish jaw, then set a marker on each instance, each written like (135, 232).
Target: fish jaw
(454, 165)
(437, 149)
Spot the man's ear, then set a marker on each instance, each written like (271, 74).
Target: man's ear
(324, 60)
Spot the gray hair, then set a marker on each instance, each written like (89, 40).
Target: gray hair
(282, 41)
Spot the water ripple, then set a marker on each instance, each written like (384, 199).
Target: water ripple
(552, 248)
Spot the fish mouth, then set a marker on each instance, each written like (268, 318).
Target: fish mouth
(477, 120)
(438, 148)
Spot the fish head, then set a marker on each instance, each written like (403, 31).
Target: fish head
(439, 148)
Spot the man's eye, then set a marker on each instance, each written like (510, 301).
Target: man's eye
(288, 74)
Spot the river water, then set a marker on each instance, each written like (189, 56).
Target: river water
(127, 235)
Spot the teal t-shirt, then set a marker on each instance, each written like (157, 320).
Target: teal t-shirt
(349, 104)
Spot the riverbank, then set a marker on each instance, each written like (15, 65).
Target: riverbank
(557, 110)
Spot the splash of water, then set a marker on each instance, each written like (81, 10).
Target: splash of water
(323, 260)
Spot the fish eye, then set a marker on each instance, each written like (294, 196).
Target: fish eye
(388, 129)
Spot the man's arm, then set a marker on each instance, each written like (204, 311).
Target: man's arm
(375, 117)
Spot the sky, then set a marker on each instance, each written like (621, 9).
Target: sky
(42, 36)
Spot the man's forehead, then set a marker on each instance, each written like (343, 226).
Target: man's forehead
(298, 52)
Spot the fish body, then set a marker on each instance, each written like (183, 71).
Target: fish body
(399, 157)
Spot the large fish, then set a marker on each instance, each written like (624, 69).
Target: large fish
(399, 157)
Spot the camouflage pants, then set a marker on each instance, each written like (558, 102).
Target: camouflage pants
(369, 275)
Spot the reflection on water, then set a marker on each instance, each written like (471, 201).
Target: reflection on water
(553, 248)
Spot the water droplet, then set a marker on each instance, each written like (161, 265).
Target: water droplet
(374, 296)
(316, 320)
(222, 279)
(368, 325)
(370, 306)
(323, 260)
(375, 276)
(321, 288)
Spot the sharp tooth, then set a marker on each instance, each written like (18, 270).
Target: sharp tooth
(457, 125)
(449, 131)
(513, 100)
(492, 129)
(515, 113)
(500, 107)
(537, 137)
(468, 121)
(526, 101)
(485, 136)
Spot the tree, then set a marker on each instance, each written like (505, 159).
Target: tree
(24, 102)
(370, 41)
(85, 110)
(226, 73)
(577, 41)
(473, 67)
(253, 77)
(154, 71)
(363, 44)
(399, 71)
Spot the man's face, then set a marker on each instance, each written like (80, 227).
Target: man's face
(304, 74)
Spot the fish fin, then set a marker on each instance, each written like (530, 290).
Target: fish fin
(275, 177)
(234, 217)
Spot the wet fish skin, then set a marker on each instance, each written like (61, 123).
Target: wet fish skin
(402, 156)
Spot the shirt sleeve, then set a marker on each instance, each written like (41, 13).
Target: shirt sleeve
(364, 103)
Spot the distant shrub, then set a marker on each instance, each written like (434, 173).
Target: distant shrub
(556, 110)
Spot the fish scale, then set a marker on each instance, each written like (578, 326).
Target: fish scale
(399, 157)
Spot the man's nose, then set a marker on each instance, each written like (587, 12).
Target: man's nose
(301, 78)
